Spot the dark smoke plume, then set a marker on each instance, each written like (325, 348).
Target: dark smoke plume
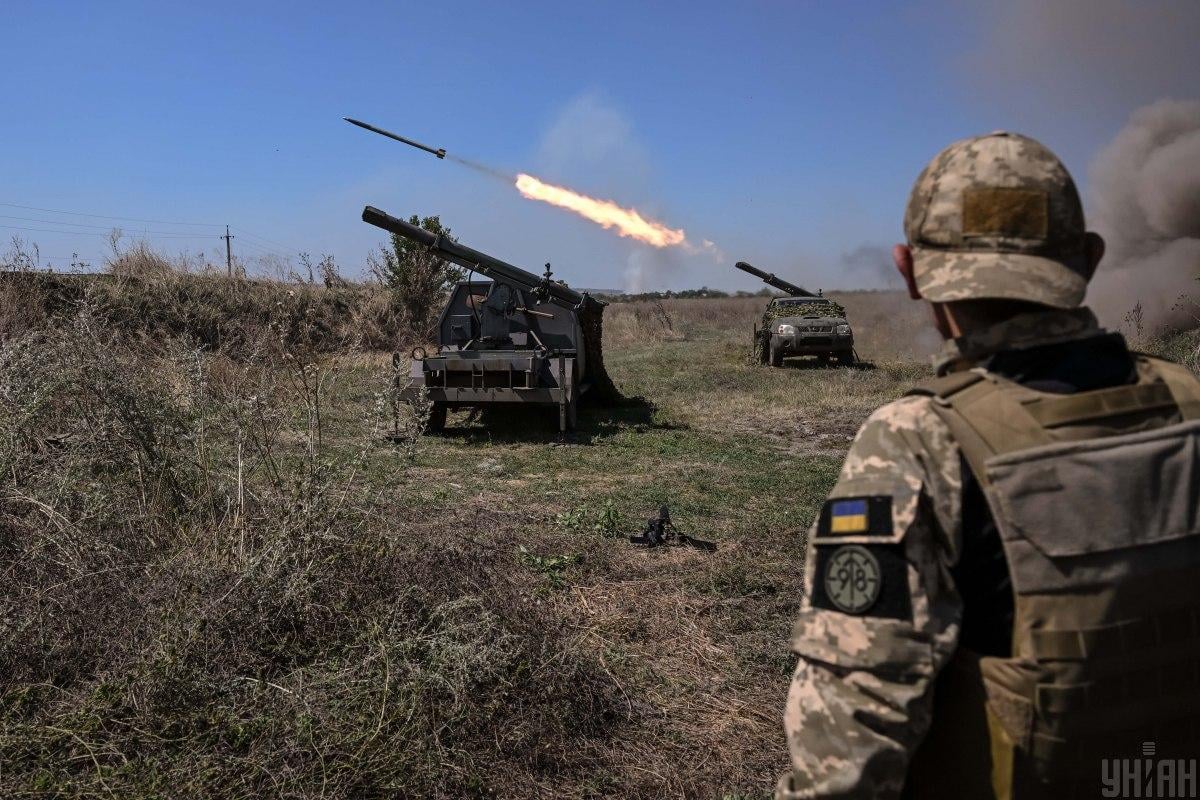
(1145, 201)
(1099, 58)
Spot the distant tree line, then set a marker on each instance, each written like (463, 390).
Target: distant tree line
(683, 294)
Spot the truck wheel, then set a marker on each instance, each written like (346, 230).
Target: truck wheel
(776, 356)
(437, 418)
(846, 358)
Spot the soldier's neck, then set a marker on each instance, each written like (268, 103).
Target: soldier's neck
(1032, 329)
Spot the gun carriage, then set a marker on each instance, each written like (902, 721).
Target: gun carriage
(517, 338)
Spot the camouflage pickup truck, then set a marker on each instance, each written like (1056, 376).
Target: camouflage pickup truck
(804, 326)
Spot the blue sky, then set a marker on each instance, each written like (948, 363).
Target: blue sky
(788, 133)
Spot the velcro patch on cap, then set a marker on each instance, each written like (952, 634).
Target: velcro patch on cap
(1008, 212)
(856, 516)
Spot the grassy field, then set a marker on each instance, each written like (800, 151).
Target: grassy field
(695, 643)
(221, 578)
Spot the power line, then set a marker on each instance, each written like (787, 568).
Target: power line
(103, 216)
(100, 227)
(105, 235)
(253, 240)
(264, 239)
(261, 249)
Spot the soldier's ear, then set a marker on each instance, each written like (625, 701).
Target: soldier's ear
(902, 255)
(1093, 244)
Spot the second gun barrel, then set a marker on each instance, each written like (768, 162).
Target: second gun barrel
(771, 279)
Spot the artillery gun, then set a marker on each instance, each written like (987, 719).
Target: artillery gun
(801, 324)
(770, 279)
(519, 338)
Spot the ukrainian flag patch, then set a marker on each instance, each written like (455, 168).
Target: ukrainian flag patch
(848, 516)
(856, 516)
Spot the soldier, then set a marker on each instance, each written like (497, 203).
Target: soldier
(1000, 591)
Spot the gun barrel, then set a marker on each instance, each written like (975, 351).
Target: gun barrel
(770, 279)
(466, 257)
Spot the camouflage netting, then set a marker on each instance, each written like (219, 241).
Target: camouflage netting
(591, 322)
(828, 308)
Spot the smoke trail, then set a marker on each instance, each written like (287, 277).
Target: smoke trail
(484, 169)
(1145, 198)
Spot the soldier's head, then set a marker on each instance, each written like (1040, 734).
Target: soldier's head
(995, 227)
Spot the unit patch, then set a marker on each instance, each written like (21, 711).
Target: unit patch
(869, 580)
(853, 579)
(856, 516)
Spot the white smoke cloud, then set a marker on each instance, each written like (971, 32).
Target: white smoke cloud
(870, 265)
(591, 147)
(1145, 201)
(592, 140)
(649, 270)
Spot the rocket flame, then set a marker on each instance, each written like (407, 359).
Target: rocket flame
(628, 222)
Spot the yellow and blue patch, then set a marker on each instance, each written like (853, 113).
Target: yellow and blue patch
(848, 516)
(856, 516)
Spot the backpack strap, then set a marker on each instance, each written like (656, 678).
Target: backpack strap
(983, 414)
(1183, 384)
(945, 385)
(988, 415)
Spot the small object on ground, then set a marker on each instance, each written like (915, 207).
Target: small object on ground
(660, 531)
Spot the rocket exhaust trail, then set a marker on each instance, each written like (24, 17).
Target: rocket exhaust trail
(484, 169)
(625, 222)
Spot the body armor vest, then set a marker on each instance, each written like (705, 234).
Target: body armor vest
(1096, 497)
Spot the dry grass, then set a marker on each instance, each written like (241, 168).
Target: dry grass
(217, 579)
(203, 598)
(144, 294)
(887, 326)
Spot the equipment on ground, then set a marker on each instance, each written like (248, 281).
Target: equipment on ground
(660, 531)
(516, 339)
(802, 324)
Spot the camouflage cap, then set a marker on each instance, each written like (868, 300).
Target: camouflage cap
(998, 216)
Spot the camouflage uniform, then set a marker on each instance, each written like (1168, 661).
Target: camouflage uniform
(999, 217)
(861, 697)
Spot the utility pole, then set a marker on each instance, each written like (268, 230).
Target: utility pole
(228, 252)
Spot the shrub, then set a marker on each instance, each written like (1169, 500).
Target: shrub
(417, 279)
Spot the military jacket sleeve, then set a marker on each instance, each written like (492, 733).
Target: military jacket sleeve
(880, 615)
